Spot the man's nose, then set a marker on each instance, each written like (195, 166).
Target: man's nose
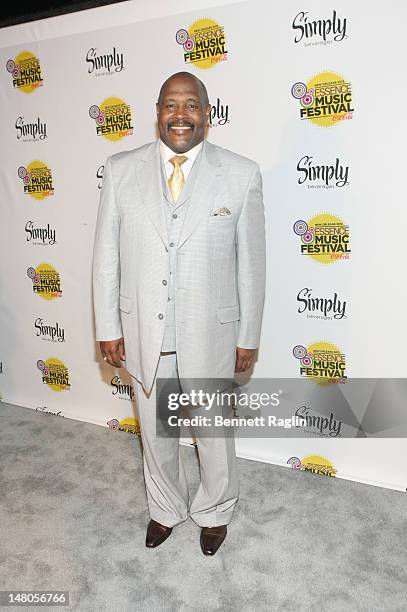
(180, 113)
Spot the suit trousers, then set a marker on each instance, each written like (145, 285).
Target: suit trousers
(166, 484)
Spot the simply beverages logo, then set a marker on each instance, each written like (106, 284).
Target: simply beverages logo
(37, 180)
(54, 373)
(203, 43)
(40, 235)
(320, 307)
(50, 332)
(25, 71)
(45, 410)
(319, 31)
(313, 463)
(321, 362)
(326, 99)
(121, 390)
(46, 281)
(128, 424)
(319, 425)
(30, 131)
(322, 176)
(113, 119)
(325, 238)
(219, 114)
(102, 64)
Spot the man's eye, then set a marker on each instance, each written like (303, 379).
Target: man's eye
(170, 105)
(193, 106)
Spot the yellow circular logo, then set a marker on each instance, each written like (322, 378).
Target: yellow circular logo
(313, 463)
(113, 119)
(54, 374)
(203, 43)
(128, 424)
(322, 362)
(325, 238)
(46, 281)
(326, 99)
(25, 71)
(318, 465)
(37, 179)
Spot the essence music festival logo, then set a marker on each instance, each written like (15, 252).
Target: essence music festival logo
(313, 463)
(40, 235)
(326, 99)
(102, 64)
(37, 180)
(321, 362)
(47, 331)
(46, 281)
(203, 43)
(128, 424)
(54, 374)
(320, 307)
(99, 176)
(121, 390)
(322, 176)
(319, 31)
(30, 131)
(318, 425)
(325, 238)
(219, 114)
(25, 70)
(112, 118)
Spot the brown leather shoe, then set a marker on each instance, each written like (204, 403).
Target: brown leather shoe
(212, 538)
(156, 534)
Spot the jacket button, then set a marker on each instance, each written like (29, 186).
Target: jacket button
(164, 282)
(161, 316)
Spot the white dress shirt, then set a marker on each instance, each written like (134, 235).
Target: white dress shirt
(167, 153)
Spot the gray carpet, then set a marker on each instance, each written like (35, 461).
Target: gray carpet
(73, 517)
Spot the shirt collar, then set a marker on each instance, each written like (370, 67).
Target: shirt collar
(167, 153)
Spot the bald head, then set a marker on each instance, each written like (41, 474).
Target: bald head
(182, 111)
(186, 75)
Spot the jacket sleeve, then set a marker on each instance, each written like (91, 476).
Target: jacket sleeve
(251, 263)
(106, 262)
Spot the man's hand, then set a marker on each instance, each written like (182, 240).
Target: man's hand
(244, 359)
(113, 352)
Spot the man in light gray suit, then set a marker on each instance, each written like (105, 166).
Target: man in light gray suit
(178, 278)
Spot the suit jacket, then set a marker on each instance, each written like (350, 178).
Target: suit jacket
(220, 263)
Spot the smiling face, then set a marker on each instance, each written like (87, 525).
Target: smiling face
(182, 113)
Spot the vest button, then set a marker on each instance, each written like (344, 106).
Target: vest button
(164, 282)
(161, 316)
(175, 216)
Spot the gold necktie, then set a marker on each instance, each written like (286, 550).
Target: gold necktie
(177, 179)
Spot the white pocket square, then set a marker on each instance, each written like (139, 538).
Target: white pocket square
(220, 212)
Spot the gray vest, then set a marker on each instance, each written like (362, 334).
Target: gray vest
(175, 213)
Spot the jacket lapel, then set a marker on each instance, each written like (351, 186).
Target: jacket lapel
(204, 189)
(149, 183)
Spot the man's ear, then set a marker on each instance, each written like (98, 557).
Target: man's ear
(157, 108)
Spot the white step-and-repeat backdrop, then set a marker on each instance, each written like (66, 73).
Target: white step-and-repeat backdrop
(313, 92)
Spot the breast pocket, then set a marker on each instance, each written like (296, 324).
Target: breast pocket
(221, 219)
